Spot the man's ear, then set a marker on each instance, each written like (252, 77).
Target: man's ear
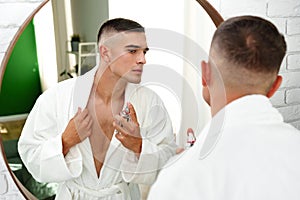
(205, 73)
(103, 50)
(275, 86)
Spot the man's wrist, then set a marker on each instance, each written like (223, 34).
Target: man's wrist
(65, 146)
(138, 149)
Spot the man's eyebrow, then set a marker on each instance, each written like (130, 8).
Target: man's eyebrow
(136, 47)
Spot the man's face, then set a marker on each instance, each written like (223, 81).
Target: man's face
(127, 55)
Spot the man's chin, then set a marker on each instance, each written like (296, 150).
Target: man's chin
(135, 82)
(132, 79)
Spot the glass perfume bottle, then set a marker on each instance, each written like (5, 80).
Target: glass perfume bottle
(125, 113)
(191, 139)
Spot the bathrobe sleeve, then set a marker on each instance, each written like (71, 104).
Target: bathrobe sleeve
(158, 140)
(40, 144)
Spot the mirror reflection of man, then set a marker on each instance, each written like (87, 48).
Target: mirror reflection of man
(74, 134)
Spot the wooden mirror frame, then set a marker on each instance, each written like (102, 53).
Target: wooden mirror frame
(210, 10)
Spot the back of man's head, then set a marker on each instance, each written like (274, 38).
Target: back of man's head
(248, 52)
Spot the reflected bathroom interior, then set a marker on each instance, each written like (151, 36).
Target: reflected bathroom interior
(41, 57)
(27, 75)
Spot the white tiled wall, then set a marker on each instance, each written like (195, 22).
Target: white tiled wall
(284, 13)
(288, 11)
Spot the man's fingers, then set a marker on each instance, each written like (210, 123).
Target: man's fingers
(179, 150)
(78, 112)
(84, 113)
(81, 115)
(132, 114)
(119, 136)
(90, 123)
(119, 125)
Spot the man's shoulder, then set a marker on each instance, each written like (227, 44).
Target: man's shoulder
(288, 128)
(66, 83)
(138, 88)
(143, 92)
(61, 87)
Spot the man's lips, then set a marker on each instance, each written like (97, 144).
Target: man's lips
(137, 71)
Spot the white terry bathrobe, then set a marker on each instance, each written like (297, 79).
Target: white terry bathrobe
(246, 152)
(40, 144)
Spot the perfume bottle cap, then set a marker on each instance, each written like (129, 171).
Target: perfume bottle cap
(125, 113)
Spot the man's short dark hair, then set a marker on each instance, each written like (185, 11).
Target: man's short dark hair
(119, 25)
(250, 42)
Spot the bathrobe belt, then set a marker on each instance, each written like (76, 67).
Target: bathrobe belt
(104, 192)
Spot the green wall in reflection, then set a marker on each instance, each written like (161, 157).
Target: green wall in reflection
(21, 82)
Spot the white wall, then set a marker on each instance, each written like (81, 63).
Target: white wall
(84, 23)
(284, 13)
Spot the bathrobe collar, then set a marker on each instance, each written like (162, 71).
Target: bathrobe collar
(248, 108)
(83, 86)
(82, 90)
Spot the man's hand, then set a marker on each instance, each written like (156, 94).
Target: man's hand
(129, 131)
(190, 140)
(78, 128)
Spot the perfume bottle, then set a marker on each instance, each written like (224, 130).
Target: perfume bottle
(125, 113)
(191, 139)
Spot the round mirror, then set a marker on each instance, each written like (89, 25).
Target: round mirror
(14, 69)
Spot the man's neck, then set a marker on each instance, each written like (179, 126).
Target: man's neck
(108, 87)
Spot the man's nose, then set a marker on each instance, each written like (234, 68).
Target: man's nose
(141, 58)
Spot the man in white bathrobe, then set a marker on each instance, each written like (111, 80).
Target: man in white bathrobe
(74, 134)
(246, 152)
